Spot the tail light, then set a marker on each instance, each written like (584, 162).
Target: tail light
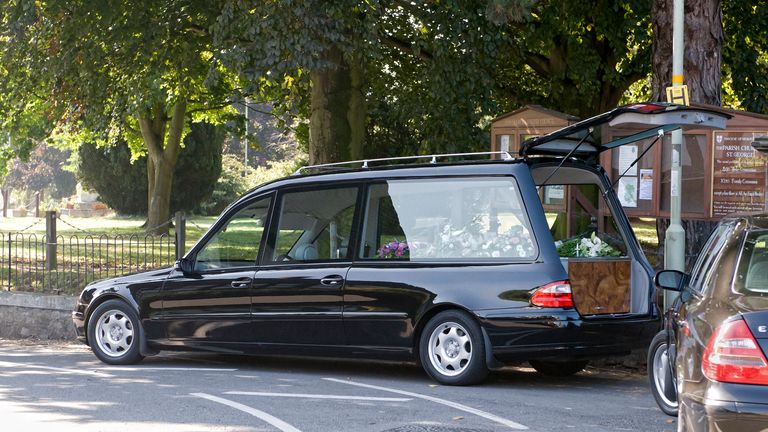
(556, 294)
(733, 355)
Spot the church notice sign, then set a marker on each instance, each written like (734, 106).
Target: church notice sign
(738, 180)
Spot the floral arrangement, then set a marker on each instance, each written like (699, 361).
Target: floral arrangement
(592, 246)
(394, 249)
(516, 242)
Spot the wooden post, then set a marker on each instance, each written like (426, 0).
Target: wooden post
(50, 240)
(181, 230)
(37, 204)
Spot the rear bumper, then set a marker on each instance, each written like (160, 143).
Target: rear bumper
(727, 407)
(533, 333)
(714, 415)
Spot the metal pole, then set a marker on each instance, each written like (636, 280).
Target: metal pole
(674, 244)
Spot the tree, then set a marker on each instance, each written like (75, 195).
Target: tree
(116, 71)
(121, 183)
(427, 67)
(579, 57)
(702, 55)
(745, 52)
(43, 172)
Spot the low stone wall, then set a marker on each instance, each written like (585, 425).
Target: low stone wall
(38, 316)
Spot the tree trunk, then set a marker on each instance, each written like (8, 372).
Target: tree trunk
(159, 210)
(337, 120)
(703, 47)
(162, 154)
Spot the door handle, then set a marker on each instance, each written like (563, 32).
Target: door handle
(241, 283)
(332, 280)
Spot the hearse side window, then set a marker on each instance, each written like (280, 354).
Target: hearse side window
(237, 243)
(452, 219)
(315, 225)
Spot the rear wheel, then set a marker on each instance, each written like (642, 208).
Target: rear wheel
(113, 333)
(558, 368)
(452, 350)
(661, 373)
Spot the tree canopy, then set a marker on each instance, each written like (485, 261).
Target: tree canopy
(577, 57)
(745, 53)
(113, 71)
(354, 78)
(399, 75)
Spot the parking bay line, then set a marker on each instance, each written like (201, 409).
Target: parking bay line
(320, 396)
(458, 406)
(55, 369)
(274, 421)
(163, 369)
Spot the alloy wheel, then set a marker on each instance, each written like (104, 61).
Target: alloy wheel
(114, 333)
(450, 349)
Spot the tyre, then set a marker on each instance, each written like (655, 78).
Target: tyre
(452, 349)
(558, 368)
(661, 373)
(114, 334)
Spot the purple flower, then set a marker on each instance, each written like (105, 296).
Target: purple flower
(394, 249)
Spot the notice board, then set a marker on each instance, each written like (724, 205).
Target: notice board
(739, 174)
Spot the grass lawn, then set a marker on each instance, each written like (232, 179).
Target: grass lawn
(645, 231)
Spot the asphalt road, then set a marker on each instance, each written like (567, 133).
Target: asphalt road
(57, 387)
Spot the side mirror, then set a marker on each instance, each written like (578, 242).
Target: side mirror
(672, 280)
(185, 266)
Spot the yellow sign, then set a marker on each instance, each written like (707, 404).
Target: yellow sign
(678, 95)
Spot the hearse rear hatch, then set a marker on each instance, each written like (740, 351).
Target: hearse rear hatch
(580, 140)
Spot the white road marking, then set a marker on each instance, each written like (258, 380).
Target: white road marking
(55, 369)
(274, 421)
(458, 406)
(319, 396)
(164, 369)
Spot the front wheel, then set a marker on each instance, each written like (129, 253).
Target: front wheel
(661, 373)
(113, 333)
(558, 368)
(452, 350)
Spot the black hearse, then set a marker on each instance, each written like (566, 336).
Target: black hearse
(450, 260)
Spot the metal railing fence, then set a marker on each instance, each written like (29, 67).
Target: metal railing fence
(66, 263)
(26, 263)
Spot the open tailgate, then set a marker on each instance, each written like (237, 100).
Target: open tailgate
(654, 117)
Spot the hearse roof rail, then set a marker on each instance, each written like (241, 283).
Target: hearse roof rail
(382, 162)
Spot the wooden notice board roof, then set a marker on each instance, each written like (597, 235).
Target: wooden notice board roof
(530, 113)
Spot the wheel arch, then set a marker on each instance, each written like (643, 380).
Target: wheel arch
(430, 313)
(115, 295)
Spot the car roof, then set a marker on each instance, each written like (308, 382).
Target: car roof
(389, 171)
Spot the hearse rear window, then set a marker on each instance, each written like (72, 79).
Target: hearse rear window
(452, 219)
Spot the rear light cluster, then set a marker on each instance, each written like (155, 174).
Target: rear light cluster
(556, 294)
(733, 355)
